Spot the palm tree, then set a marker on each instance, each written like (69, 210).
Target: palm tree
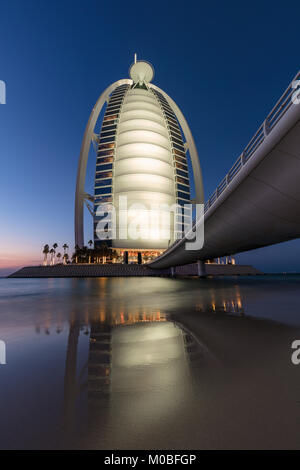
(114, 255)
(75, 255)
(90, 251)
(52, 253)
(65, 247)
(84, 254)
(55, 245)
(105, 252)
(65, 258)
(45, 252)
(58, 256)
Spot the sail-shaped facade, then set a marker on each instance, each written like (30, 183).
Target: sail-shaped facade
(142, 163)
(141, 157)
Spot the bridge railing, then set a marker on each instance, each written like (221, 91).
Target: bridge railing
(280, 108)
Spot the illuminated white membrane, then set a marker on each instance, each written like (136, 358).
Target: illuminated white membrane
(143, 171)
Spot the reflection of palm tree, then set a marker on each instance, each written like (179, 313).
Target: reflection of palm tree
(45, 252)
(99, 362)
(70, 385)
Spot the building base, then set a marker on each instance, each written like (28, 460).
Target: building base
(127, 270)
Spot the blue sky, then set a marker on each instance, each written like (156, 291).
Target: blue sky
(224, 63)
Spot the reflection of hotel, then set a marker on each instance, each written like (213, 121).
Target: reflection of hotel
(142, 154)
(133, 363)
(131, 356)
(134, 357)
(231, 307)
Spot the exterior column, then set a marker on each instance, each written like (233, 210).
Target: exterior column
(83, 158)
(172, 271)
(201, 268)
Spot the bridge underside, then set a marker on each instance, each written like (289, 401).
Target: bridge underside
(260, 207)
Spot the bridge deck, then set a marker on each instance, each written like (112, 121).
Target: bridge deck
(260, 202)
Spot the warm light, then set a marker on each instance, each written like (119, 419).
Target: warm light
(144, 171)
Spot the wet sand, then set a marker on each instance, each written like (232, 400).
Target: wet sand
(150, 363)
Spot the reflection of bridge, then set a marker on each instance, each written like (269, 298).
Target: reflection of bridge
(258, 202)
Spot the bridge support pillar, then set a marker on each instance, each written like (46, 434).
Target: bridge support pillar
(172, 271)
(201, 268)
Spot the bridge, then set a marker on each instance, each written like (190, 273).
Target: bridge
(258, 202)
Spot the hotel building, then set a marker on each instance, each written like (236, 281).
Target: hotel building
(141, 158)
